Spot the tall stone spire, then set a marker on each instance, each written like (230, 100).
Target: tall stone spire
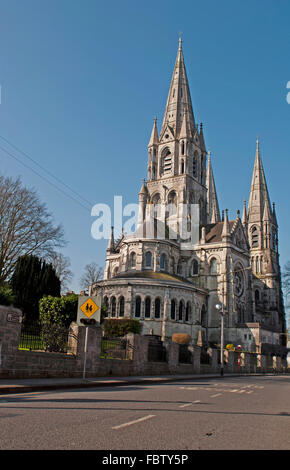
(226, 233)
(259, 195)
(212, 200)
(154, 140)
(179, 99)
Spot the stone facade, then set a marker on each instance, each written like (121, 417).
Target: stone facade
(172, 282)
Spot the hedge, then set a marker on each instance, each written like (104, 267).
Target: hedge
(58, 310)
(120, 327)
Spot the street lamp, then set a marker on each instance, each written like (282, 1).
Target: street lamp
(220, 309)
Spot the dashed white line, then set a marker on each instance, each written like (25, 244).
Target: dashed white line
(186, 404)
(216, 395)
(133, 422)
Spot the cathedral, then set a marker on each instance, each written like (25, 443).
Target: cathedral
(187, 261)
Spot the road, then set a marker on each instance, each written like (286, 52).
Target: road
(238, 413)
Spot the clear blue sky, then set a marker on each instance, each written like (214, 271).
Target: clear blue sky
(82, 80)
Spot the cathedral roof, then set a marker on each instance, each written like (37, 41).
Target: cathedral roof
(214, 231)
(147, 274)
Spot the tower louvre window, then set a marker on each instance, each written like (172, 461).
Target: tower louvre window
(255, 237)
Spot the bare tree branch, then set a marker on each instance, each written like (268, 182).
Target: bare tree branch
(26, 226)
(92, 274)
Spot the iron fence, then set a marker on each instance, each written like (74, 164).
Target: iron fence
(38, 337)
(114, 348)
(185, 355)
(156, 351)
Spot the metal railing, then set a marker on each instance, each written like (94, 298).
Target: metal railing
(114, 348)
(38, 337)
(185, 355)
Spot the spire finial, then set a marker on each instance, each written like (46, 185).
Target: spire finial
(257, 143)
(180, 41)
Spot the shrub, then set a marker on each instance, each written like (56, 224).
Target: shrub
(58, 310)
(6, 296)
(120, 326)
(181, 338)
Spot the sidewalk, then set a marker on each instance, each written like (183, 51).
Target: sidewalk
(8, 386)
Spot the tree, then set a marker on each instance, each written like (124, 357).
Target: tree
(92, 274)
(26, 226)
(61, 265)
(32, 279)
(58, 310)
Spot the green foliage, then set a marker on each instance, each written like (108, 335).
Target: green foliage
(120, 326)
(32, 279)
(54, 338)
(6, 296)
(58, 310)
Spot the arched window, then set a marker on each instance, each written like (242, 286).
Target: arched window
(148, 259)
(163, 262)
(203, 316)
(147, 307)
(257, 264)
(166, 161)
(194, 267)
(255, 237)
(182, 148)
(179, 267)
(133, 260)
(213, 266)
(173, 309)
(172, 203)
(180, 311)
(182, 167)
(188, 311)
(138, 307)
(121, 306)
(115, 272)
(113, 306)
(157, 307)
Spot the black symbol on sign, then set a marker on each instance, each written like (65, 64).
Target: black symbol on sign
(89, 307)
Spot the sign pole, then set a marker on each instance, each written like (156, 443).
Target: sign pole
(85, 351)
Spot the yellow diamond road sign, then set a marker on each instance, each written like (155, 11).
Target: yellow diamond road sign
(89, 307)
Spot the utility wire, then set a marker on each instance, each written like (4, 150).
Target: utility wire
(44, 169)
(45, 179)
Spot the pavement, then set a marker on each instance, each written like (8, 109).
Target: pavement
(13, 386)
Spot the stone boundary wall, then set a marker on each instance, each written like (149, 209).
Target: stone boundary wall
(39, 364)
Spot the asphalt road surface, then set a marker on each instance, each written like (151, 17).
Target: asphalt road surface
(241, 413)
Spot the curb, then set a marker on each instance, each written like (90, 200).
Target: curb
(15, 389)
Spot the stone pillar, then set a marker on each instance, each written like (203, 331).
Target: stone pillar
(261, 363)
(196, 359)
(213, 353)
(173, 357)
(92, 357)
(245, 363)
(138, 348)
(10, 329)
(229, 359)
(278, 364)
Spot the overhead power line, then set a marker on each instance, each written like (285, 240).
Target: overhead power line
(47, 172)
(45, 179)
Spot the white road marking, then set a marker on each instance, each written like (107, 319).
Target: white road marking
(216, 395)
(133, 422)
(197, 401)
(186, 404)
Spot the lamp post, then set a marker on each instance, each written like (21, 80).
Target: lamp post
(220, 308)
